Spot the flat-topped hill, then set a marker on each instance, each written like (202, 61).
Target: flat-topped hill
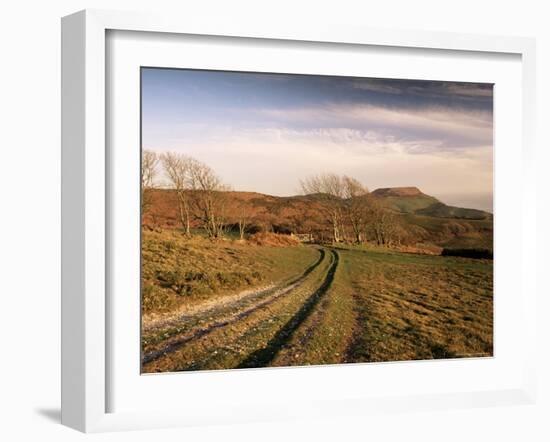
(413, 200)
(397, 191)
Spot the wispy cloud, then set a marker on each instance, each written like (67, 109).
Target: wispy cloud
(426, 89)
(274, 160)
(437, 127)
(469, 90)
(265, 132)
(377, 86)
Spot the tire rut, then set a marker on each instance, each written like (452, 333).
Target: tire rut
(178, 341)
(263, 356)
(224, 307)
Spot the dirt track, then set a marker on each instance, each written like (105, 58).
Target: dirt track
(252, 325)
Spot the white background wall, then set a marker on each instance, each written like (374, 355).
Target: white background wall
(30, 214)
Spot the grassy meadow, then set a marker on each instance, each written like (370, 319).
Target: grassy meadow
(295, 220)
(277, 302)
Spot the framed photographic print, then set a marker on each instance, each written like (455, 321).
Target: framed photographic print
(276, 223)
(262, 246)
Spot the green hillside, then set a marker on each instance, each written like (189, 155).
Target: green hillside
(453, 233)
(441, 210)
(412, 200)
(409, 204)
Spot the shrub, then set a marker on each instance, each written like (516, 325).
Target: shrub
(273, 240)
(184, 283)
(469, 253)
(153, 298)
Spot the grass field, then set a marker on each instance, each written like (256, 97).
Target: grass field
(419, 307)
(177, 271)
(229, 304)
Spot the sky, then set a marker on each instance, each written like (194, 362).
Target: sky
(265, 132)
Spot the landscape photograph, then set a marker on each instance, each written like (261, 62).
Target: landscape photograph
(299, 220)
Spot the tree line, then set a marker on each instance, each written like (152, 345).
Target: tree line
(201, 194)
(346, 208)
(352, 213)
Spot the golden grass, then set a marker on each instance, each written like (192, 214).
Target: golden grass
(351, 304)
(181, 271)
(421, 307)
(231, 345)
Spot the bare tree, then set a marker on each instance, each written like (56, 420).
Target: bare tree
(265, 219)
(209, 197)
(356, 206)
(149, 165)
(330, 189)
(384, 224)
(241, 213)
(177, 168)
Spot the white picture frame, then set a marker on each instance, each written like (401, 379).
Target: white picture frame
(86, 201)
